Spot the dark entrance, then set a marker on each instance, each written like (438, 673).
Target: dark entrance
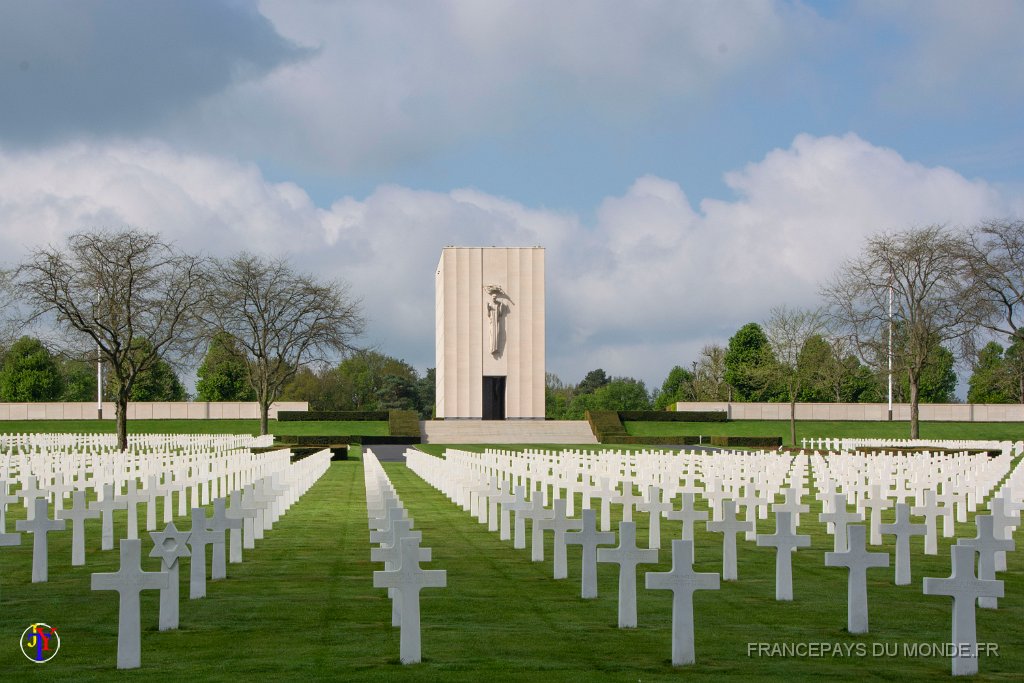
(494, 398)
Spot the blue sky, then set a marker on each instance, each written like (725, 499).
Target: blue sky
(687, 165)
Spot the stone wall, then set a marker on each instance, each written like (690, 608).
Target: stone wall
(930, 412)
(193, 410)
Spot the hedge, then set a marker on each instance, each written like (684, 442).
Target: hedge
(605, 424)
(747, 441)
(332, 415)
(655, 440)
(667, 416)
(403, 423)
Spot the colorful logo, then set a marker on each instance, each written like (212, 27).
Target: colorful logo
(40, 643)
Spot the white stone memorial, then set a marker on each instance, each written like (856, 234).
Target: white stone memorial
(683, 582)
(170, 545)
(903, 530)
(490, 333)
(858, 561)
(627, 555)
(106, 507)
(588, 537)
(198, 538)
(78, 513)
(987, 546)
(40, 526)
(839, 517)
(559, 524)
(407, 580)
(729, 526)
(129, 580)
(785, 542)
(965, 589)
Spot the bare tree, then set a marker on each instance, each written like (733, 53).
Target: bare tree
(788, 330)
(281, 320)
(994, 259)
(933, 302)
(131, 294)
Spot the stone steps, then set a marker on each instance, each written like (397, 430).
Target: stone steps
(507, 431)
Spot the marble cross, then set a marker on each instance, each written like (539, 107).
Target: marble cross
(218, 524)
(588, 537)
(683, 582)
(839, 517)
(39, 525)
(559, 523)
(169, 545)
(903, 530)
(519, 506)
(875, 503)
(785, 542)
(129, 580)
(791, 503)
(199, 537)
(931, 511)
(106, 506)
(407, 580)
(986, 545)
(655, 507)
(687, 514)
(538, 515)
(965, 589)
(729, 526)
(627, 555)
(78, 513)
(858, 561)
(246, 515)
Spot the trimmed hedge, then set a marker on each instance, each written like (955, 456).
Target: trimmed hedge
(404, 423)
(666, 416)
(605, 424)
(747, 441)
(332, 415)
(655, 440)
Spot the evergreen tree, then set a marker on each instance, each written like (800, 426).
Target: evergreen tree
(29, 373)
(678, 386)
(223, 375)
(594, 380)
(748, 361)
(990, 382)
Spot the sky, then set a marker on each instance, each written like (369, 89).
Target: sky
(687, 165)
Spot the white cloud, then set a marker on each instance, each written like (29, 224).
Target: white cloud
(393, 82)
(639, 290)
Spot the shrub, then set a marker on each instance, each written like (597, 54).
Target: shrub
(605, 424)
(403, 423)
(668, 416)
(332, 415)
(747, 441)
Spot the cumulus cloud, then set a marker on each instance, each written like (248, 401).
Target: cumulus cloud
(118, 67)
(393, 82)
(636, 289)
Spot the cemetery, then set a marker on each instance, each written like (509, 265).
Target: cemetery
(568, 563)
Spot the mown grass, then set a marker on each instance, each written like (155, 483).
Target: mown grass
(327, 428)
(821, 429)
(302, 607)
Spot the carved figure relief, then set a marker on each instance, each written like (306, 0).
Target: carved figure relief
(497, 309)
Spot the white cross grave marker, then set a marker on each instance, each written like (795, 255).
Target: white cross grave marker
(129, 580)
(39, 526)
(903, 530)
(588, 537)
(682, 581)
(785, 542)
(627, 556)
(965, 588)
(986, 545)
(858, 561)
(408, 579)
(729, 526)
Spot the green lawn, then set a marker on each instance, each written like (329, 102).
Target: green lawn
(302, 607)
(816, 429)
(335, 428)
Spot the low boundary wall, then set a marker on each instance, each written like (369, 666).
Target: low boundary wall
(191, 410)
(930, 412)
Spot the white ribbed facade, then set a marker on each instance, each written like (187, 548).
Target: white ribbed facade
(464, 330)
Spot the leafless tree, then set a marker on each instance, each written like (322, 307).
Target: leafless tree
(788, 330)
(281, 320)
(127, 292)
(933, 301)
(994, 259)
